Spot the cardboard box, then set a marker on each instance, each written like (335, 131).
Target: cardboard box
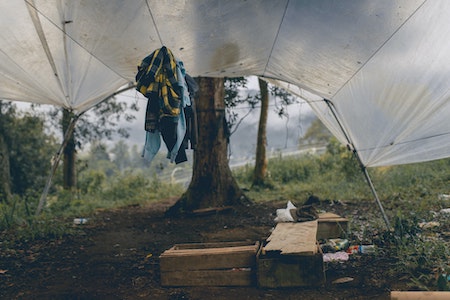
(209, 264)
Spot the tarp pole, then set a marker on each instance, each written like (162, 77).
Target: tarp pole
(56, 160)
(363, 167)
(374, 192)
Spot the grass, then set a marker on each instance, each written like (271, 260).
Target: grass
(17, 219)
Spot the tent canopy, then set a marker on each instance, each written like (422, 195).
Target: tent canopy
(383, 65)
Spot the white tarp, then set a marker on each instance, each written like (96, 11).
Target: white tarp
(382, 64)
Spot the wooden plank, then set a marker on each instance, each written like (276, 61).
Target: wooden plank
(294, 238)
(214, 245)
(211, 211)
(328, 215)
(207, 261)
(229, 277)
(209, 258)
(173, 252)
(419, 295)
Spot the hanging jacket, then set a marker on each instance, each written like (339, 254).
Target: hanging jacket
(157, 79)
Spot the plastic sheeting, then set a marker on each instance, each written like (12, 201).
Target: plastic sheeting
(382, 64)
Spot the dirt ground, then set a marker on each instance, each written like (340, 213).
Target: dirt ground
(116, 256)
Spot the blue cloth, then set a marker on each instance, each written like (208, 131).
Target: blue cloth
(185, 100)
(152, 145)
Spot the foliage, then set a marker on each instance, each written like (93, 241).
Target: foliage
(236, 93)
(331, 175)
(317, 133)
(420, 253)
(234, 97)
(99, 122)
(29, 146)
(102, 184)
(282, 99)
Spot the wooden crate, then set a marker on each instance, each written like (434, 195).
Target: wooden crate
(209, 264)
(281, 270)
(331, 226)
(291, 258)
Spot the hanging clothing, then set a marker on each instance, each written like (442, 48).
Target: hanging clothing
(157, 74)
(190, 114)
(152, 145)
(161, 78)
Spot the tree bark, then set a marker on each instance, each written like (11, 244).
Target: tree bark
(212, 184)
(69, 154)
(5, 176)
(259, 174)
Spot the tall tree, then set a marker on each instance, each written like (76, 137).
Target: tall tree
(5, 176)
(69, 158)
(259, 174)
(212, 183)
(99, 122)
(282, 100)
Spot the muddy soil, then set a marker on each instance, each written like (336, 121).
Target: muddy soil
(115, 255)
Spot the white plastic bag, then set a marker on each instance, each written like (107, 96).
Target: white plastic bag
(284, 214)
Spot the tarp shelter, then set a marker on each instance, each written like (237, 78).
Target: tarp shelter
(383, 66)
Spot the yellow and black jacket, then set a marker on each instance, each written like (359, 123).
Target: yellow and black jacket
(157, 80)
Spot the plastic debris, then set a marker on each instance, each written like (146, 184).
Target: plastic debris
(79, 221)
(445, 211)
(363, 249)
(337, 256)
(444, 197)
(333, 245)
(284, 214)
(339, 244)
(429, 225)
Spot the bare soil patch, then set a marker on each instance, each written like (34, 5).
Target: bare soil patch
(116, 256)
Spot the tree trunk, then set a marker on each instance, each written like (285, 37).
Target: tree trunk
(212, 184)
(5, 176)
(260, 171)
(69, 154)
